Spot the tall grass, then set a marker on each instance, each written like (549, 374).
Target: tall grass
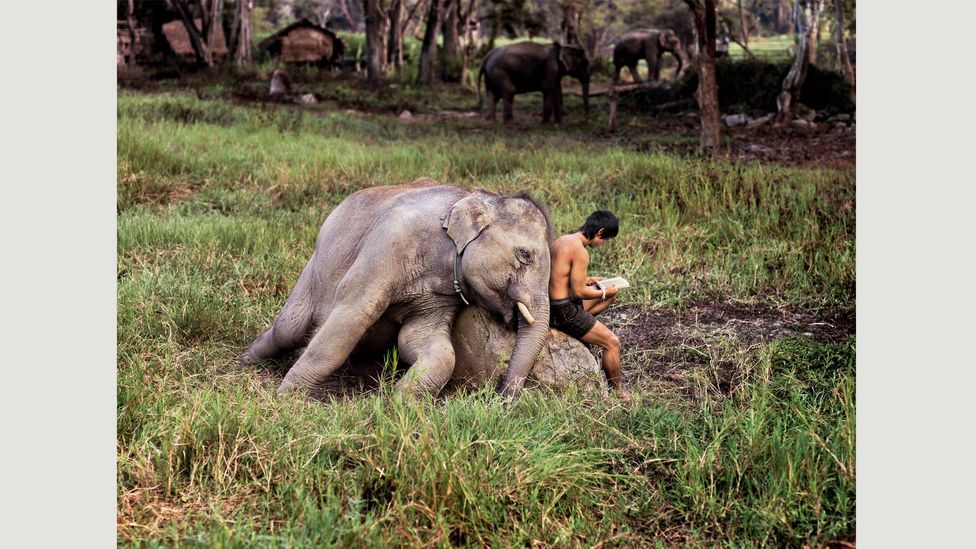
(690, 227)
(218, 208)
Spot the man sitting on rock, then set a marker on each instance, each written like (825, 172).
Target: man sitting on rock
(574, 297)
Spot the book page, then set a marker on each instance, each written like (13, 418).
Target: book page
(619, 282)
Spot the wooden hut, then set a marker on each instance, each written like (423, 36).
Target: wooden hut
(179, 40)
(304, 42)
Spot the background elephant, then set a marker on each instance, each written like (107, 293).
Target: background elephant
(648, 45)
(529, 67)
(383, 273)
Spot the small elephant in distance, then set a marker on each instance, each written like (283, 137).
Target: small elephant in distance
(530, 67)
(394, 265)
(648, 45)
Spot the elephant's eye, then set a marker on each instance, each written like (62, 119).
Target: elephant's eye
(524, 256)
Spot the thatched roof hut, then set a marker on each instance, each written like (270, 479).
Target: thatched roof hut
(179, 39)
(304, 42)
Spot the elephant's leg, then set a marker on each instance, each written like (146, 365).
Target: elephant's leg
(654, 69)
(492, 103)
(509, 99)
(546, 107)
(634, 73)
(557, 101)
(290, 328)
(616, 73)
(425, 343)
(361, 300)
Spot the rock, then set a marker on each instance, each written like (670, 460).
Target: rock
(309, 99)
(762, 120)
(280, 83)
(759, 149)
(689, 114)
(804, 112)
(482, 347)
(803, 124)
(840, 118)
(406, 115)
(733, 120)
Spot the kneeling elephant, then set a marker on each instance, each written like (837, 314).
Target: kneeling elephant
(396, 264)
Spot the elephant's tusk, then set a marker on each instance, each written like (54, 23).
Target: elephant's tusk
(525, 312)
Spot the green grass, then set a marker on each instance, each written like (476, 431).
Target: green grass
(218, 208)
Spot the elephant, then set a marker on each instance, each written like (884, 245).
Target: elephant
(395, 264)
(528, 67)
(648, 45)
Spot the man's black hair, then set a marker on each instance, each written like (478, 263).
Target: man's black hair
(601, 219)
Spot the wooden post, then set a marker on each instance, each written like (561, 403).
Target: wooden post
(612, 94)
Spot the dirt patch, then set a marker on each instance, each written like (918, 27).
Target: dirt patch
(664, 347)
(821, 146)
(695, 351)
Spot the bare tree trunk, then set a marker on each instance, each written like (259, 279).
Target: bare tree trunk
(743, 29)
(843, 58)
(705, 22)
(450, 53)
(201, 48)
(428, 51)
(807, 14)
(376, 21)
(344, 8)
(394, 52)
(814, 35)
(467, 39)
(212, 23)
(243, 50)
(235, 26)
(571, 21)
(130, 18)
(412, 20)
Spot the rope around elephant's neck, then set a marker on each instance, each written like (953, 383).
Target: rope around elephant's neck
(457, 283)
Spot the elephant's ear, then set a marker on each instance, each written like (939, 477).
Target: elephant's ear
(662, 39)
(467, 218)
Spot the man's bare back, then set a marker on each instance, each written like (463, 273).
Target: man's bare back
(563, 253)
(575, 299)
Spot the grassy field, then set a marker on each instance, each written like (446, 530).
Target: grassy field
(218, 208)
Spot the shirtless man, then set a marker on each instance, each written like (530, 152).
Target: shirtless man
(574, 297)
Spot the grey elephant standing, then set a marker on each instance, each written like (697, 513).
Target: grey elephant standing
(648, 45)
(529, 67)
(394, 265)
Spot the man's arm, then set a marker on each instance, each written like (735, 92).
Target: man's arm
(578, 280)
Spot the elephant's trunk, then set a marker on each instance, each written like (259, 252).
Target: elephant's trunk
(533, 328)
(682, 61)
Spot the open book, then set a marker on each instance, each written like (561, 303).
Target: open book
(619, 282)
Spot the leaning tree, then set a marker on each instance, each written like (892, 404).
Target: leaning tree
(202, 39)
(807, 21)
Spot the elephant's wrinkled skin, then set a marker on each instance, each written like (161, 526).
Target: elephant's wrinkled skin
(382, 274)
(648, 45)
(482, 345)
(529, 67)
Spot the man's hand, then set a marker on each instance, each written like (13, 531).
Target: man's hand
(612, 292)
(592, 280)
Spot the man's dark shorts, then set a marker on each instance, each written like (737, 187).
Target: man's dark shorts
(568, 316)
